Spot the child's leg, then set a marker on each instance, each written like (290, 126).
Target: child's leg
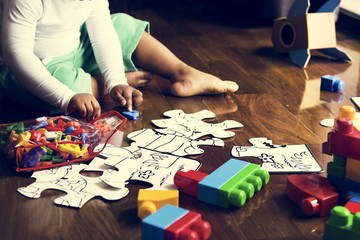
(153, 56)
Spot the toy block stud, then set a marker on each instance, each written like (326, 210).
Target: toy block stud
(175, 223)
(332, 83)
(191, 226)
(347, 112)
(149, 201)
(342, 225)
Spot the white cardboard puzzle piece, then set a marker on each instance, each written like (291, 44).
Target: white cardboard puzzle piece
(172, 144)
(279, 158)
(79, 189)
(301, 31)
(192, 125)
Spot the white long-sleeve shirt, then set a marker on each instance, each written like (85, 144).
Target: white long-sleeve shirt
(33, 30)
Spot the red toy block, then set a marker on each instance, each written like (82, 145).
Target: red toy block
(190, 226)
(188, 181)
(353, 207)
(313, 193)
(344, 140)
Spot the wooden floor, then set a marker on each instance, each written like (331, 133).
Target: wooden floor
(276, 99)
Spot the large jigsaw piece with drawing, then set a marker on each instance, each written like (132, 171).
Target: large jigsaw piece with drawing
(279, 158)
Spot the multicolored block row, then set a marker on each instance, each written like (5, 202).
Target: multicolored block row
(230, 185)
(171, 222)
(342, 225)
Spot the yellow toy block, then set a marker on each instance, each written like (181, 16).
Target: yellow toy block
(149, 201)
(353, 169)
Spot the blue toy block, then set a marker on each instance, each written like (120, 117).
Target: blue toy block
(343, 184)
(209, 187)
(332, 83)
(356, 198)
(154, 225)
(132, 115)
(342, 225)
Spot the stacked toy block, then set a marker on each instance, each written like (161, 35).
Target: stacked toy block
(232, 184)
(343, 144)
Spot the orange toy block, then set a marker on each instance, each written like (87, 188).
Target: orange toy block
(149, 201)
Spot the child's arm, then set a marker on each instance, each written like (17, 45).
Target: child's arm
(17, 40)
(108, 54)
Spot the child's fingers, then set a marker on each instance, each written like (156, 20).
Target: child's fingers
(137, 98)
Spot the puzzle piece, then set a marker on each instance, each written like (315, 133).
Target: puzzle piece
(80, 189)
(279, 158)
(134, 163)
(173, 144)
(191, 125)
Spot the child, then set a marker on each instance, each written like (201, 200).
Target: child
(69, 53)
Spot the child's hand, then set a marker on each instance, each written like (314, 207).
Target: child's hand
(85, 105)
(126, 96)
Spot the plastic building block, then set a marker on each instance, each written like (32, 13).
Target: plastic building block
(349, 112)
(188, 227)
(337, 167)
(344, 185)
(353, 169)
(149, 201)
(230, 185)
(344, 140)
(210, 185)
(332, 83)
(189, 181)
(342, 225)
(353, 207)
(313, 193)
(171, 222)
(132, 115)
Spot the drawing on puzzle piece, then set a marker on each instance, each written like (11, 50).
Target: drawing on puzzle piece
(134, 163)
(192, 125)
(279, 158)
(172, 144)
(80, 189)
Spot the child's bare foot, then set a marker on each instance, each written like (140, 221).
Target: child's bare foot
(139, 78)
(189, 81)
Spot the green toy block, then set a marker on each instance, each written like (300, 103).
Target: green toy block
(242, 186)
(342, 225)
